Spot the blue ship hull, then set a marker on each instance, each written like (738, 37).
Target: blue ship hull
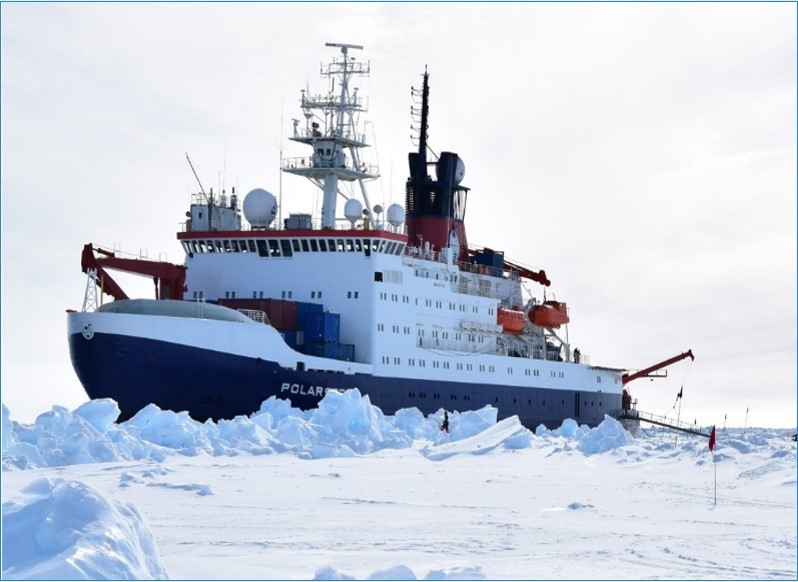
(210, 384)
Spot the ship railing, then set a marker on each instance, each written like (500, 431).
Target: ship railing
(415, 253)
(412, 252)
(305, 133)
(486, 270)
(315, 224)
(634, 414)
(475, 286)
(256, 315)
(434, 343)
(308, 163)
(330, 101)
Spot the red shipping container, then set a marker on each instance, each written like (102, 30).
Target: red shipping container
(289, 314)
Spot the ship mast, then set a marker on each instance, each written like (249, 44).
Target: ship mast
(331, 129)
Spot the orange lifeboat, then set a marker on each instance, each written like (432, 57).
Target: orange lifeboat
(512, 321)
(549, 314)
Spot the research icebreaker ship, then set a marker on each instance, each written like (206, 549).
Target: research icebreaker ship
(393, 302)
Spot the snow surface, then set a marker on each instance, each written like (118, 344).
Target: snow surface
(344, 492)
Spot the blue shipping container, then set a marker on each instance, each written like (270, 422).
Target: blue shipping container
(290, 338)
(322, 327)
(346, 352)
(332, 350)
(490, 258)
(322, 349)
(302, 309)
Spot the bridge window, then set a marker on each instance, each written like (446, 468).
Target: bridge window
(285, 245)
(263, 250)
(314, 245)
(323, 245)
(274, 248)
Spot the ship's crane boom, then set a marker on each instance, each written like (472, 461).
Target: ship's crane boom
(527, 273)
(520, 270)
(645, 372)
(169, 279)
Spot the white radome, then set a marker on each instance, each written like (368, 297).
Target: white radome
(260, 208)
(459, 171)
(396, 215)
(353, 210)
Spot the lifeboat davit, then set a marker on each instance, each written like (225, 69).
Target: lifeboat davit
(549, 314)
(512, 321)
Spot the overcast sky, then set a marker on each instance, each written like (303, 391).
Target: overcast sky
(644, 155)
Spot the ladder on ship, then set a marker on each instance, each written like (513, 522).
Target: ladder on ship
(641, 416)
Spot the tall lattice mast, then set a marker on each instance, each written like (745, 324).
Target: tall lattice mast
(331, 129)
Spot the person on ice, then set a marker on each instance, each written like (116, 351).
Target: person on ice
(445, 425)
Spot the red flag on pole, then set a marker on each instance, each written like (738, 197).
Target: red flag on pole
(712, 438)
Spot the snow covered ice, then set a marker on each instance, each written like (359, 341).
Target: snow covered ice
(345, 492)
(66, 530)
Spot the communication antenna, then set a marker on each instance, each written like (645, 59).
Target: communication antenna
(224, 168)
(190, 165)
(208, 200)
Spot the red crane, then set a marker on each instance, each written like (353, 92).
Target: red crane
(520, 270)
(645, 372)
(169, 279)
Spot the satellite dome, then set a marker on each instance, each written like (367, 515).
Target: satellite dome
(396, 215)
(353, 210)
(260, 208)
(459, 171)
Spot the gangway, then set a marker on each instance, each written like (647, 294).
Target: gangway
(639, 415)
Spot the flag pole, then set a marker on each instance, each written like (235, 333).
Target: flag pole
(714, 464)
(745, 426)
